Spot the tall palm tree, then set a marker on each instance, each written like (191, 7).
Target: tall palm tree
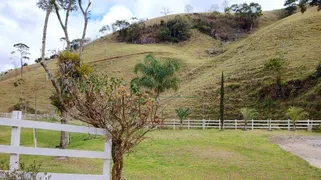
(296, 114)
(156, 76)
(182, 114)
(248, 114)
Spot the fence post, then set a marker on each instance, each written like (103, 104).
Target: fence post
(308, 125)
(270, 126)
(188, 125)
(235, 124)
(219, 124)
(15, 141)
(252, 125)
(289, 125)
(203, 124)
(106, 170)
(174, 124)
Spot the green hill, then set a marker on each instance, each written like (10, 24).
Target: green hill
(297, 37)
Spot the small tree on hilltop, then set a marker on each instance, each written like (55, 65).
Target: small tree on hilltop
(165, 11)
(106, 103)
(249, 13)
(291, 7)
(296, 114)
(248, 114)
(276, 67)
(214, 8)
(304, 3)
(188, 8)
(104, 30)
(182, 114)
(225, 5)
(156, 76)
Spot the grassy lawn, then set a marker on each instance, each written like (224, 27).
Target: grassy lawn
(186, 154)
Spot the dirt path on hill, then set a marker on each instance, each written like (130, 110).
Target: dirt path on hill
(128, 55)
(306, 147)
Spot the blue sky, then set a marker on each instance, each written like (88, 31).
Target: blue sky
(22, 21)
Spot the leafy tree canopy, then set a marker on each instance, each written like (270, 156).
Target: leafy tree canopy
(155, 75)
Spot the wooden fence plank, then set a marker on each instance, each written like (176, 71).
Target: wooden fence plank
(15, 141)
(51, 126)
(53, 152)
(58, 176)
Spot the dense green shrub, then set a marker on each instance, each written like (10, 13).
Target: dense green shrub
(132, 33)
(175, 30)
(22, 105)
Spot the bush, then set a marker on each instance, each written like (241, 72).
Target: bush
(175, 30)
(22, 105)
(317, 72)
(69, 56)
(24, 173)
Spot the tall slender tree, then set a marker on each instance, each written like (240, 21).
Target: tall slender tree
(222, 93)
(68, 62)
(23, 55)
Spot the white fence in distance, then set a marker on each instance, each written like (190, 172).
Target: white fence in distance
(240, 124)
(15, 149)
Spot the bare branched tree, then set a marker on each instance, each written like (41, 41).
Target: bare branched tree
(165, 11)
(85, 13)
(188, 8)
(68, 6)
(106, 103)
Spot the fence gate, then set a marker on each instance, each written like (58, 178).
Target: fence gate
(15, 149)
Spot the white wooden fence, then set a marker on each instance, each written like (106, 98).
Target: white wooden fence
(15, 149)
(26, 116)
(240, 124)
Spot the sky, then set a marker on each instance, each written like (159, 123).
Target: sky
(22, 22)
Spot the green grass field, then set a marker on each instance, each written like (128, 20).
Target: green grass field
(185, 154)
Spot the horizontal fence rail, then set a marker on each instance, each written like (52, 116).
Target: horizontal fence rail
(242, 124)
(15, 149)
(26, 116)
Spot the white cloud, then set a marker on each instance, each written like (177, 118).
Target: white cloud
(116, 12)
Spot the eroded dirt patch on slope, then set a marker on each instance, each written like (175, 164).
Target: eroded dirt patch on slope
(306, 147)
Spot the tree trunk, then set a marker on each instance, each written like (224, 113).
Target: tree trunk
(245, 125)
(294, 126)
(118, 160)
(64, 27)
(279, 88)
(83, 35)
(63, 135)
(44, 35)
